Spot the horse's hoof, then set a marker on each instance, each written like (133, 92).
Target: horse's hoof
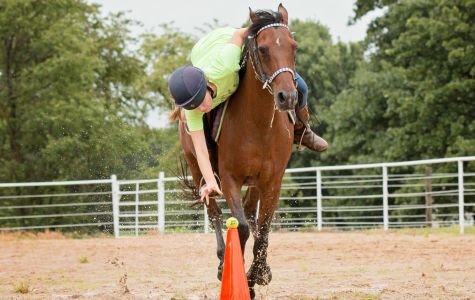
(220, 272)
(251, 283)
(259, 274)
(264, 276)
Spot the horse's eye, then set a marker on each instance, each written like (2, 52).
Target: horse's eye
(263, 51)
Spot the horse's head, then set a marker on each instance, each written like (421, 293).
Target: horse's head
(272, 54)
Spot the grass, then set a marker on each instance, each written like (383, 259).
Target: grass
(22, 288)
(83, 259)
(308, 228)
(77, 235)
(50, 235)
(455, 230)
(425, 231)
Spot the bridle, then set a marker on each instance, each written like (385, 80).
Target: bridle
(253, 55)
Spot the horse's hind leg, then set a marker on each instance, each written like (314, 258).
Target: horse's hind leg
(215, 217)
(250, 202)
(214, 212)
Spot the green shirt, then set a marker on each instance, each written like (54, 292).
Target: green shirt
(219, 60)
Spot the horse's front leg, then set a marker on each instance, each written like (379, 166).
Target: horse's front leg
(260, 272)
(250, 203)
(232, 193)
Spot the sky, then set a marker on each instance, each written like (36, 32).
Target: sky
(191, 15)
(188, 15)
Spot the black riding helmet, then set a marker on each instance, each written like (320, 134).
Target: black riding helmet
(188, 87)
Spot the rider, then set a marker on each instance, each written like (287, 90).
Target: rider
(210, 81)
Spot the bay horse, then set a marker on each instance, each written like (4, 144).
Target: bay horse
(256, 138)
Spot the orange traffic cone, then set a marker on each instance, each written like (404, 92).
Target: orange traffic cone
(234, 284)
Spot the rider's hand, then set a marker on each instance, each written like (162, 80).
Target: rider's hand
(208, 189)
(243, 32)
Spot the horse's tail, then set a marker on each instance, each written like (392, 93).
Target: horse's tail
(175, 115)
(189, 190)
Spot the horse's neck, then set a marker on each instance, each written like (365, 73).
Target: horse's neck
(255, 101)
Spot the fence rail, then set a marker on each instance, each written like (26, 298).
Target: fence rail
(436, 192)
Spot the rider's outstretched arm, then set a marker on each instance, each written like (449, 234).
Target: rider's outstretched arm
(202, 156)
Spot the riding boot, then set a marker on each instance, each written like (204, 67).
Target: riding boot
(303, 134)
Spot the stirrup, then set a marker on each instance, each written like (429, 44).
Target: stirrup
(300, 148)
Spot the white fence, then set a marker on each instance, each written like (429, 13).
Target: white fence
(437, 192)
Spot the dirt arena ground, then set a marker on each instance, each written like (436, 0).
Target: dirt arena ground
(341, 265)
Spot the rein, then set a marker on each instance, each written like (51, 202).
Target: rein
(256, 63)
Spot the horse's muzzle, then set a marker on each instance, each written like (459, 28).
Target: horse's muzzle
(286, 100)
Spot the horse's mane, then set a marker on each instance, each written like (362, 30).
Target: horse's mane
(264, 17)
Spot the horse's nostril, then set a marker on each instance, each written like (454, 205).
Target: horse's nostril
(281, 97)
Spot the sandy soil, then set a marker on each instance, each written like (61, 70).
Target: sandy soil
(359, 265)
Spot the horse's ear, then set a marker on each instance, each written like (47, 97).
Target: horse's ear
(252, 16)
(284, 13)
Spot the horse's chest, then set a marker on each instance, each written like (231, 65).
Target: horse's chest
(252, 160)
(256, 149)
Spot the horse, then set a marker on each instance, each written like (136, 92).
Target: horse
(256, 139)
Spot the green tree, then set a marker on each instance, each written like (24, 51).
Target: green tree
(429, 45)
(162, 55)
(413, 97)
(327, 68)
(71, 100)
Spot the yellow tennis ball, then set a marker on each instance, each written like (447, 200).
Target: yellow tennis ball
(232, 222)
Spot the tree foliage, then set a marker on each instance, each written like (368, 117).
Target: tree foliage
(71, 102)
(416, 94)
(163, 54)
(74, 96)
(327, 68)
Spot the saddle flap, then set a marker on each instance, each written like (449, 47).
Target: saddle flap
(215, 120)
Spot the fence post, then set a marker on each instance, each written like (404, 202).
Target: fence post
(115, 204)
(319, 200)
(206, 219)
(385, 198)
(461, 199)
(429, 199)
(137, 209)
(161, 202)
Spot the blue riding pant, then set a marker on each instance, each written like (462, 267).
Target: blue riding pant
(302, 90)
